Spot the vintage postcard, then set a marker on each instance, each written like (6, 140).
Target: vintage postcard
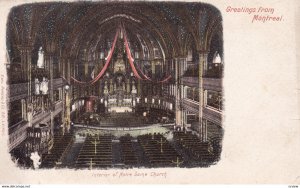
(150, 92)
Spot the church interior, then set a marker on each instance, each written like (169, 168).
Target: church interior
(100, 85)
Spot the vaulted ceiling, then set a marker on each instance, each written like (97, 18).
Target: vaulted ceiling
(174, 27)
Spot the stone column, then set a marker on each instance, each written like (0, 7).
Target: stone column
(62, 66)
(111, 90)
(67, 111)
(68, 95)
(178, 117)
(202, 125)
(184, 118)
(23, 103)
(182, 62)
(49, 59)
(178, 90)
(62, 61)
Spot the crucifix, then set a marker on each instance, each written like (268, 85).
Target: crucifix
(95, 143)
(161, 145)
(177, 162)
(91, 164)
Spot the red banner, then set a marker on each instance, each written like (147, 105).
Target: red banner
(105, 66)
(133, 67)
(136, 74)
(131, 62)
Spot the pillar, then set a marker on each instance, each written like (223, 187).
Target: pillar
(202, 124)
(63, 74)
(86, 65)
(67, 111)
(67, 93)
(128, 86)
(177, 87)
(111, 90)
(49, 60)
(184, 122)
(24, 111)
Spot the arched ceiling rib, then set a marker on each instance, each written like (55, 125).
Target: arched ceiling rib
(115, 11)
(71, 26)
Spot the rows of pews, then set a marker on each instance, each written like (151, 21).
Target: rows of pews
(128, 154)
(96, 152)
(158, 151)
(192, 145)
(149, 150)
(61, 146)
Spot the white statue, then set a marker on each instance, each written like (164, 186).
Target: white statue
(36, 159)
(37, 86)
(133, 91)
(44, 86)
(40, 63)
(105, 88)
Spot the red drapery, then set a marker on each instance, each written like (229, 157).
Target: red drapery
(105, 65)
(136, 74)
(132, 64)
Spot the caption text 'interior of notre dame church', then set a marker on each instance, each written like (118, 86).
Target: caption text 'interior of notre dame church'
(102, 85)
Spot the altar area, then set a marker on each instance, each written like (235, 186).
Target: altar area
(120, 103)
(121, 109)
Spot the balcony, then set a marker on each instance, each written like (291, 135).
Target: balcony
(45, 116)
(190, 105)
(190, 81)
(58, 82)
(17, 134)
(18, 91)
(214, 70)
(214, 84)
(58, 106)
(212, 115)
